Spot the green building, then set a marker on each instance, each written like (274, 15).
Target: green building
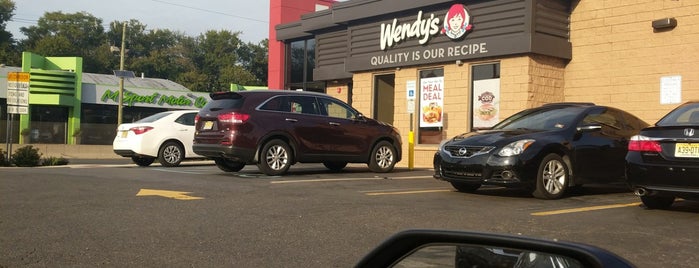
(67, 106)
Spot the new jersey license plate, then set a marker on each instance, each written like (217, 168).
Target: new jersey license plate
(687, 150)
(208, 125)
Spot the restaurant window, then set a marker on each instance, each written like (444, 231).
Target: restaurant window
(485, 102)
(431, 120)
(301, 62)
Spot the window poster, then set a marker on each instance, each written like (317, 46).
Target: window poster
(431, 101)
(486, 103)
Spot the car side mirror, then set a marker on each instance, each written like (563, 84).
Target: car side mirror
(445, 248)
(590, 127)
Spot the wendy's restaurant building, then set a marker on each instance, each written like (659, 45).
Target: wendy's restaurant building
(67, 106)
(435, 69)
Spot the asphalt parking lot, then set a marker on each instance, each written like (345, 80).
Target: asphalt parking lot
(113, 213)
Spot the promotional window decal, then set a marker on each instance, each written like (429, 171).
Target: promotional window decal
(486, 102)
(431, 101)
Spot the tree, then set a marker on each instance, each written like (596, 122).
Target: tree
(83, 31)
(9, 54)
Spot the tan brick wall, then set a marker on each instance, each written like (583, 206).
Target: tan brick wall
(525, 82)
(618, 58)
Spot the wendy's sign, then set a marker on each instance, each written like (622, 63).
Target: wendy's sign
(456, 24)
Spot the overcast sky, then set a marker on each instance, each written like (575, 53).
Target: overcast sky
(250, 17)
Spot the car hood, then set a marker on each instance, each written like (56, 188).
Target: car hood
(493, 137)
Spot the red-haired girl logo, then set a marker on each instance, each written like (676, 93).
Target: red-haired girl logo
(457, 22)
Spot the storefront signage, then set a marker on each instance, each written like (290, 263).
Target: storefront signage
(132, 99)
(431, 101)
(455, 26)
(486, 103)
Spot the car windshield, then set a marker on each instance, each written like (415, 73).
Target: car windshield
(687, 114)
(153, 118)
(547, 118)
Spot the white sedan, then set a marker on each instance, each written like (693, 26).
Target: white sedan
(166, 136)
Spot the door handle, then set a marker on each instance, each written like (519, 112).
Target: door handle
(291, 120)
(334, 123)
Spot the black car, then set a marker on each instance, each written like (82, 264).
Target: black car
(663, 160)
(547, 150)
(275, 129)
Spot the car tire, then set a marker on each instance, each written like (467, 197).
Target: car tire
(382, 158)
(657, 201)
(228, 165)
(552, 178)
(142, 160)
(465, 187)
(170, 154)
(335, 166)
(275, 158)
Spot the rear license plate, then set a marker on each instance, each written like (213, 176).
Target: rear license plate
(124, 134)
(687, 150)
(208, 125)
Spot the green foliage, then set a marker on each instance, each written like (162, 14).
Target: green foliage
(3, 159)
(54, 161)
(26, 156)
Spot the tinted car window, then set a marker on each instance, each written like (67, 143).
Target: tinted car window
(606, 117)
(683, 115)
(542, 119)
(153, 118)
(335, 109)
(186, 119)
(227, 100)
(303, 105)
(279, 104)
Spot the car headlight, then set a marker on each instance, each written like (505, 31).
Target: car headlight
(515, 148)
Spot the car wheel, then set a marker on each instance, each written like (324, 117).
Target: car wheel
(335, 166)
(275, 159)
(552, 178)
(228, 165)
(170, 154)
(382, 158)
(465, 187)
(657, 201)
(143, 161)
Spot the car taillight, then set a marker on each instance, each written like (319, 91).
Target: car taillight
(235, 118)
(196, 119)
(140, 130)
(641, 143)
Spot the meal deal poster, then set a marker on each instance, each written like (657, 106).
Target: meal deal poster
(431, 101)
(486, 103)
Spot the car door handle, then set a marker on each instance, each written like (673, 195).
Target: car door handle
(291, 120)
(334, 123)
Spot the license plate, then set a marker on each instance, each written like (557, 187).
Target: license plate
(124, 134)
(208, 125)
(687, 150)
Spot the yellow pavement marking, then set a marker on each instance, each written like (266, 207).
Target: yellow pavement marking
(583, 209)
(350, 179)
(168, 194)
(409, 192)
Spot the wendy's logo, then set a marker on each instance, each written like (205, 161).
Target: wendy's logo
(457, 22)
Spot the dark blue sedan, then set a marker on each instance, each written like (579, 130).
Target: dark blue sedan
(547, 149)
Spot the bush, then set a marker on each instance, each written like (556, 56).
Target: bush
(26, 156)
(54, 161)
(3, 159)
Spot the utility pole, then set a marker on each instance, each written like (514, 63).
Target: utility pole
(120, 112)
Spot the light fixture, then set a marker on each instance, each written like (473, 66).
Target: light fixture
(459, 62)
(664, 23)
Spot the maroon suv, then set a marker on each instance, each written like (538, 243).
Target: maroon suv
(275, 129)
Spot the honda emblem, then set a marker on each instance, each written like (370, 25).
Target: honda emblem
(689, 132)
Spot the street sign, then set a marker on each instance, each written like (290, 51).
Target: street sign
(17, 93)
